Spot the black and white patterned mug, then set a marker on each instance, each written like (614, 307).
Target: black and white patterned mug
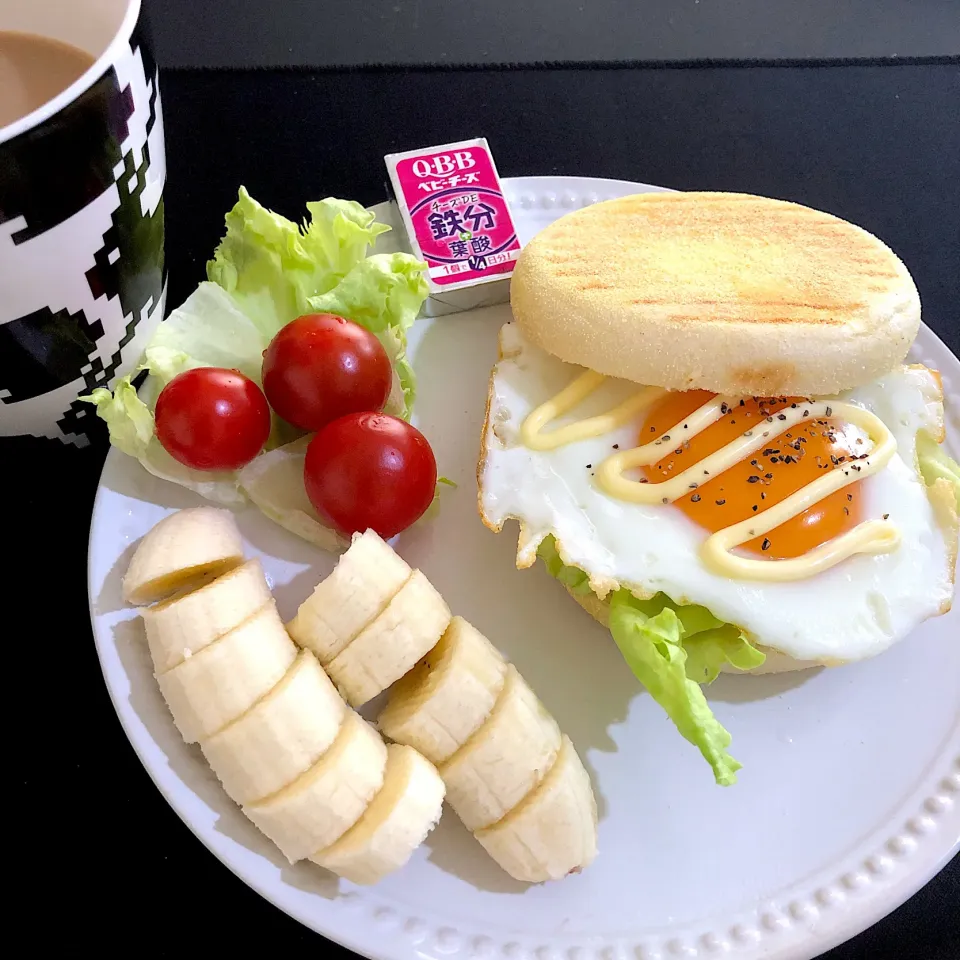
(82, 277)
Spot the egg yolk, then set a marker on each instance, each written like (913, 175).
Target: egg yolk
(787, 463)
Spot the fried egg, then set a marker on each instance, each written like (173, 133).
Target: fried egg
(851, 611)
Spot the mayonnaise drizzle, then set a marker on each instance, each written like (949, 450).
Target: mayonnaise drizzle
(576, 392)
(871, 536)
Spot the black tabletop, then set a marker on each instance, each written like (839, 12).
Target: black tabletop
(104, 857)
(324, 33)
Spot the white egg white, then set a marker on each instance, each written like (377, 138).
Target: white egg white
(852, 611)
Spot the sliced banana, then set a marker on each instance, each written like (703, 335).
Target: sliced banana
(553, 832)
(281, 736)
(316, 778)
(438, 705)
(184, 624)
(318, 808)
(224, 680)
(364, 581)
(384, 651)
(505, 759)
(397, 821)
(183, 551)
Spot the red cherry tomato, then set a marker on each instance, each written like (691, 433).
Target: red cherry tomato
(320, 367)
(209, 418)
(370, 471)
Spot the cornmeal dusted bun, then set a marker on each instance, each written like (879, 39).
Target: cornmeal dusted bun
(727, 292)
(776, 661)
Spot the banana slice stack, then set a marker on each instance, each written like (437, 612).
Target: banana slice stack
(513, 779)
(314, 776)
(371, 620)
(277, 724)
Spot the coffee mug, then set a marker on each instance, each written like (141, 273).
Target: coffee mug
(82, 276)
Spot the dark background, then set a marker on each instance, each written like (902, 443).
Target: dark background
(272, 33)
(96, 845)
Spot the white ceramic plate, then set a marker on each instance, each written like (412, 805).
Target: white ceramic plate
(848, 802)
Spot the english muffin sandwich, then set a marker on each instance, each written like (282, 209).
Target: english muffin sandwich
(702, 420)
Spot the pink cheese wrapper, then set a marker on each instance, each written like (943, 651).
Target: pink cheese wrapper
(456, 216)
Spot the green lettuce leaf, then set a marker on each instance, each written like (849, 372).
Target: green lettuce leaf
(935, 464)
(664, 642)
(271, 266)
(207, 330)
(572, 577)
(652, 647)
(274, 482)
(339, 233)
(128, 418)
(710, 650)
(383, 293)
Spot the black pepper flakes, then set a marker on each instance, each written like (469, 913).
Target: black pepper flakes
(754, 508)
(720, 503)
(829, 411)
(781, 416)
(765, 545)
(886, 516)
(753, 479)
(763, 496)
(695, 498)
(589, 466)
(850, 496)
(846, 510)
(616, 446)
